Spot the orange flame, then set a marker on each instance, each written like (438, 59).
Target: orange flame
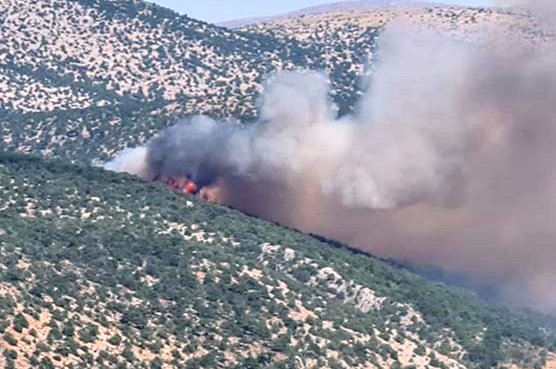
(190, 187)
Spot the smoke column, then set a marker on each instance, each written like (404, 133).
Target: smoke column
(449, 160)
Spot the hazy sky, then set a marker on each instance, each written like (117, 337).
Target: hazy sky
(223, 10)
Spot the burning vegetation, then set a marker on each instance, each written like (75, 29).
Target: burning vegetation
(180, 184)
(185, 185)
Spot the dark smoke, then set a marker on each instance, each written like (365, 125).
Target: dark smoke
(448, 162)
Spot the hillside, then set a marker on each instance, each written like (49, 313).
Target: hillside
(103, 270)
(78, 54)
(115, 66)
(466, 23)
(83, 79)
(327, 8)
(107, 67)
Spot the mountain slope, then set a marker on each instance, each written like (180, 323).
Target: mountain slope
(83, 79)
(108, 51)
(103, 270)
(337, 25)
(341, 7)
(104, 66)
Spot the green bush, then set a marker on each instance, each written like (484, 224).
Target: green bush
(10, 339)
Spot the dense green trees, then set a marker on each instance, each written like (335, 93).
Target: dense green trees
(150, 288)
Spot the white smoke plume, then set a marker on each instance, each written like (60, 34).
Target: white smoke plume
(131, 161)
(449, 160)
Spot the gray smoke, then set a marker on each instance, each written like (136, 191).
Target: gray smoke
(447, 162)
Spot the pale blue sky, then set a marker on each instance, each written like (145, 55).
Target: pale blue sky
(223, 10)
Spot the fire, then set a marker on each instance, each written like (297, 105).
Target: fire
(211, 194)
(184, 185)
(190, 187)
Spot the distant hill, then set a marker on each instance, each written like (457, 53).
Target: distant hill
(339, 7)
(102, 270)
